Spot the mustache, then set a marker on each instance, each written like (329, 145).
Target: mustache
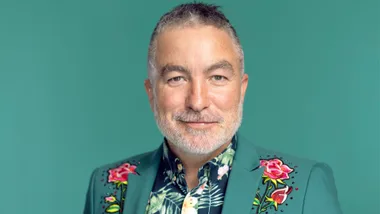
(192, 116)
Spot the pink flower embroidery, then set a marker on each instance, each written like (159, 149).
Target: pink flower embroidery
(120, 174)
(110, 199)
(276, 191)
(279, 196)
(275, 169)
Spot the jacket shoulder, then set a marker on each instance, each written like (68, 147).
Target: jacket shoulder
(108, 184)
(294, 160)
(285, 180)
(133, 160)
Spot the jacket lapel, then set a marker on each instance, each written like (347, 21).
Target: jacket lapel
(244, 179)
(140, 186)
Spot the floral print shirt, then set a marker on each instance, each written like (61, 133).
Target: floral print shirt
(171, 195)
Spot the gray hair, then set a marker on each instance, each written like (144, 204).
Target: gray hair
(190, 14)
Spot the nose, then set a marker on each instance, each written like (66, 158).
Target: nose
(197, 98)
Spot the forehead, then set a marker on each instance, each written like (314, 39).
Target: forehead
(195, 46)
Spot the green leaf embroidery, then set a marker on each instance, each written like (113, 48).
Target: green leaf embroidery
(256, 201)
(113, 208)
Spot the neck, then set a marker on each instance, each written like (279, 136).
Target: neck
(195, 160)
(192, 162)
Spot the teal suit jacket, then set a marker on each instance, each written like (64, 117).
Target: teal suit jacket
(261, 181)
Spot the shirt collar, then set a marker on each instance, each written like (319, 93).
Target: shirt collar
(174, 167)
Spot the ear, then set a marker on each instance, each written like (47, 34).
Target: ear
(244, 85)
(149, 92)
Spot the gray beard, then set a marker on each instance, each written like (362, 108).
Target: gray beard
(210, 141)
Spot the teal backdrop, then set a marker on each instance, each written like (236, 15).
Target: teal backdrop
(72, 95)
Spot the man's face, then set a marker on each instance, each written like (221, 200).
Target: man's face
(198, 93)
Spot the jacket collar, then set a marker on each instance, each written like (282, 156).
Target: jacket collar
(244, 179)
(242, 183)
(140, 185)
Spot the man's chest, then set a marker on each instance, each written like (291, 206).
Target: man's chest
(170, 195)
(170, 199)
(256, 192)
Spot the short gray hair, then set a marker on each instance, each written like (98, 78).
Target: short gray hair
(191, 14)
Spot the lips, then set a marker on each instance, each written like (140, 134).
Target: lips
(200, 124)
(197, 122)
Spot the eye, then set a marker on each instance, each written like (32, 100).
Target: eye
(218, 78)
(176, 80)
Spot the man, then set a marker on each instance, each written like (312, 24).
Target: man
(196, 89)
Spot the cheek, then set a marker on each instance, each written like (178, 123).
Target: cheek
(168, 101)
(226, 100)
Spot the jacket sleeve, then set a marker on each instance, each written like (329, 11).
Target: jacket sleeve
(321, 194)
(89, 201)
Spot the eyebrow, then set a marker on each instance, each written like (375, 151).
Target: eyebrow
(223, 64)
(171, 68)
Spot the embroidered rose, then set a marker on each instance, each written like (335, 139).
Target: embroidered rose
(222, 171)
(275, 169)
(119, 177)
(279, 196)
(276, 190)
(110, 199)
(120, 174)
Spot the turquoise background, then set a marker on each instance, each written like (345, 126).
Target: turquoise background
(72, 95)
